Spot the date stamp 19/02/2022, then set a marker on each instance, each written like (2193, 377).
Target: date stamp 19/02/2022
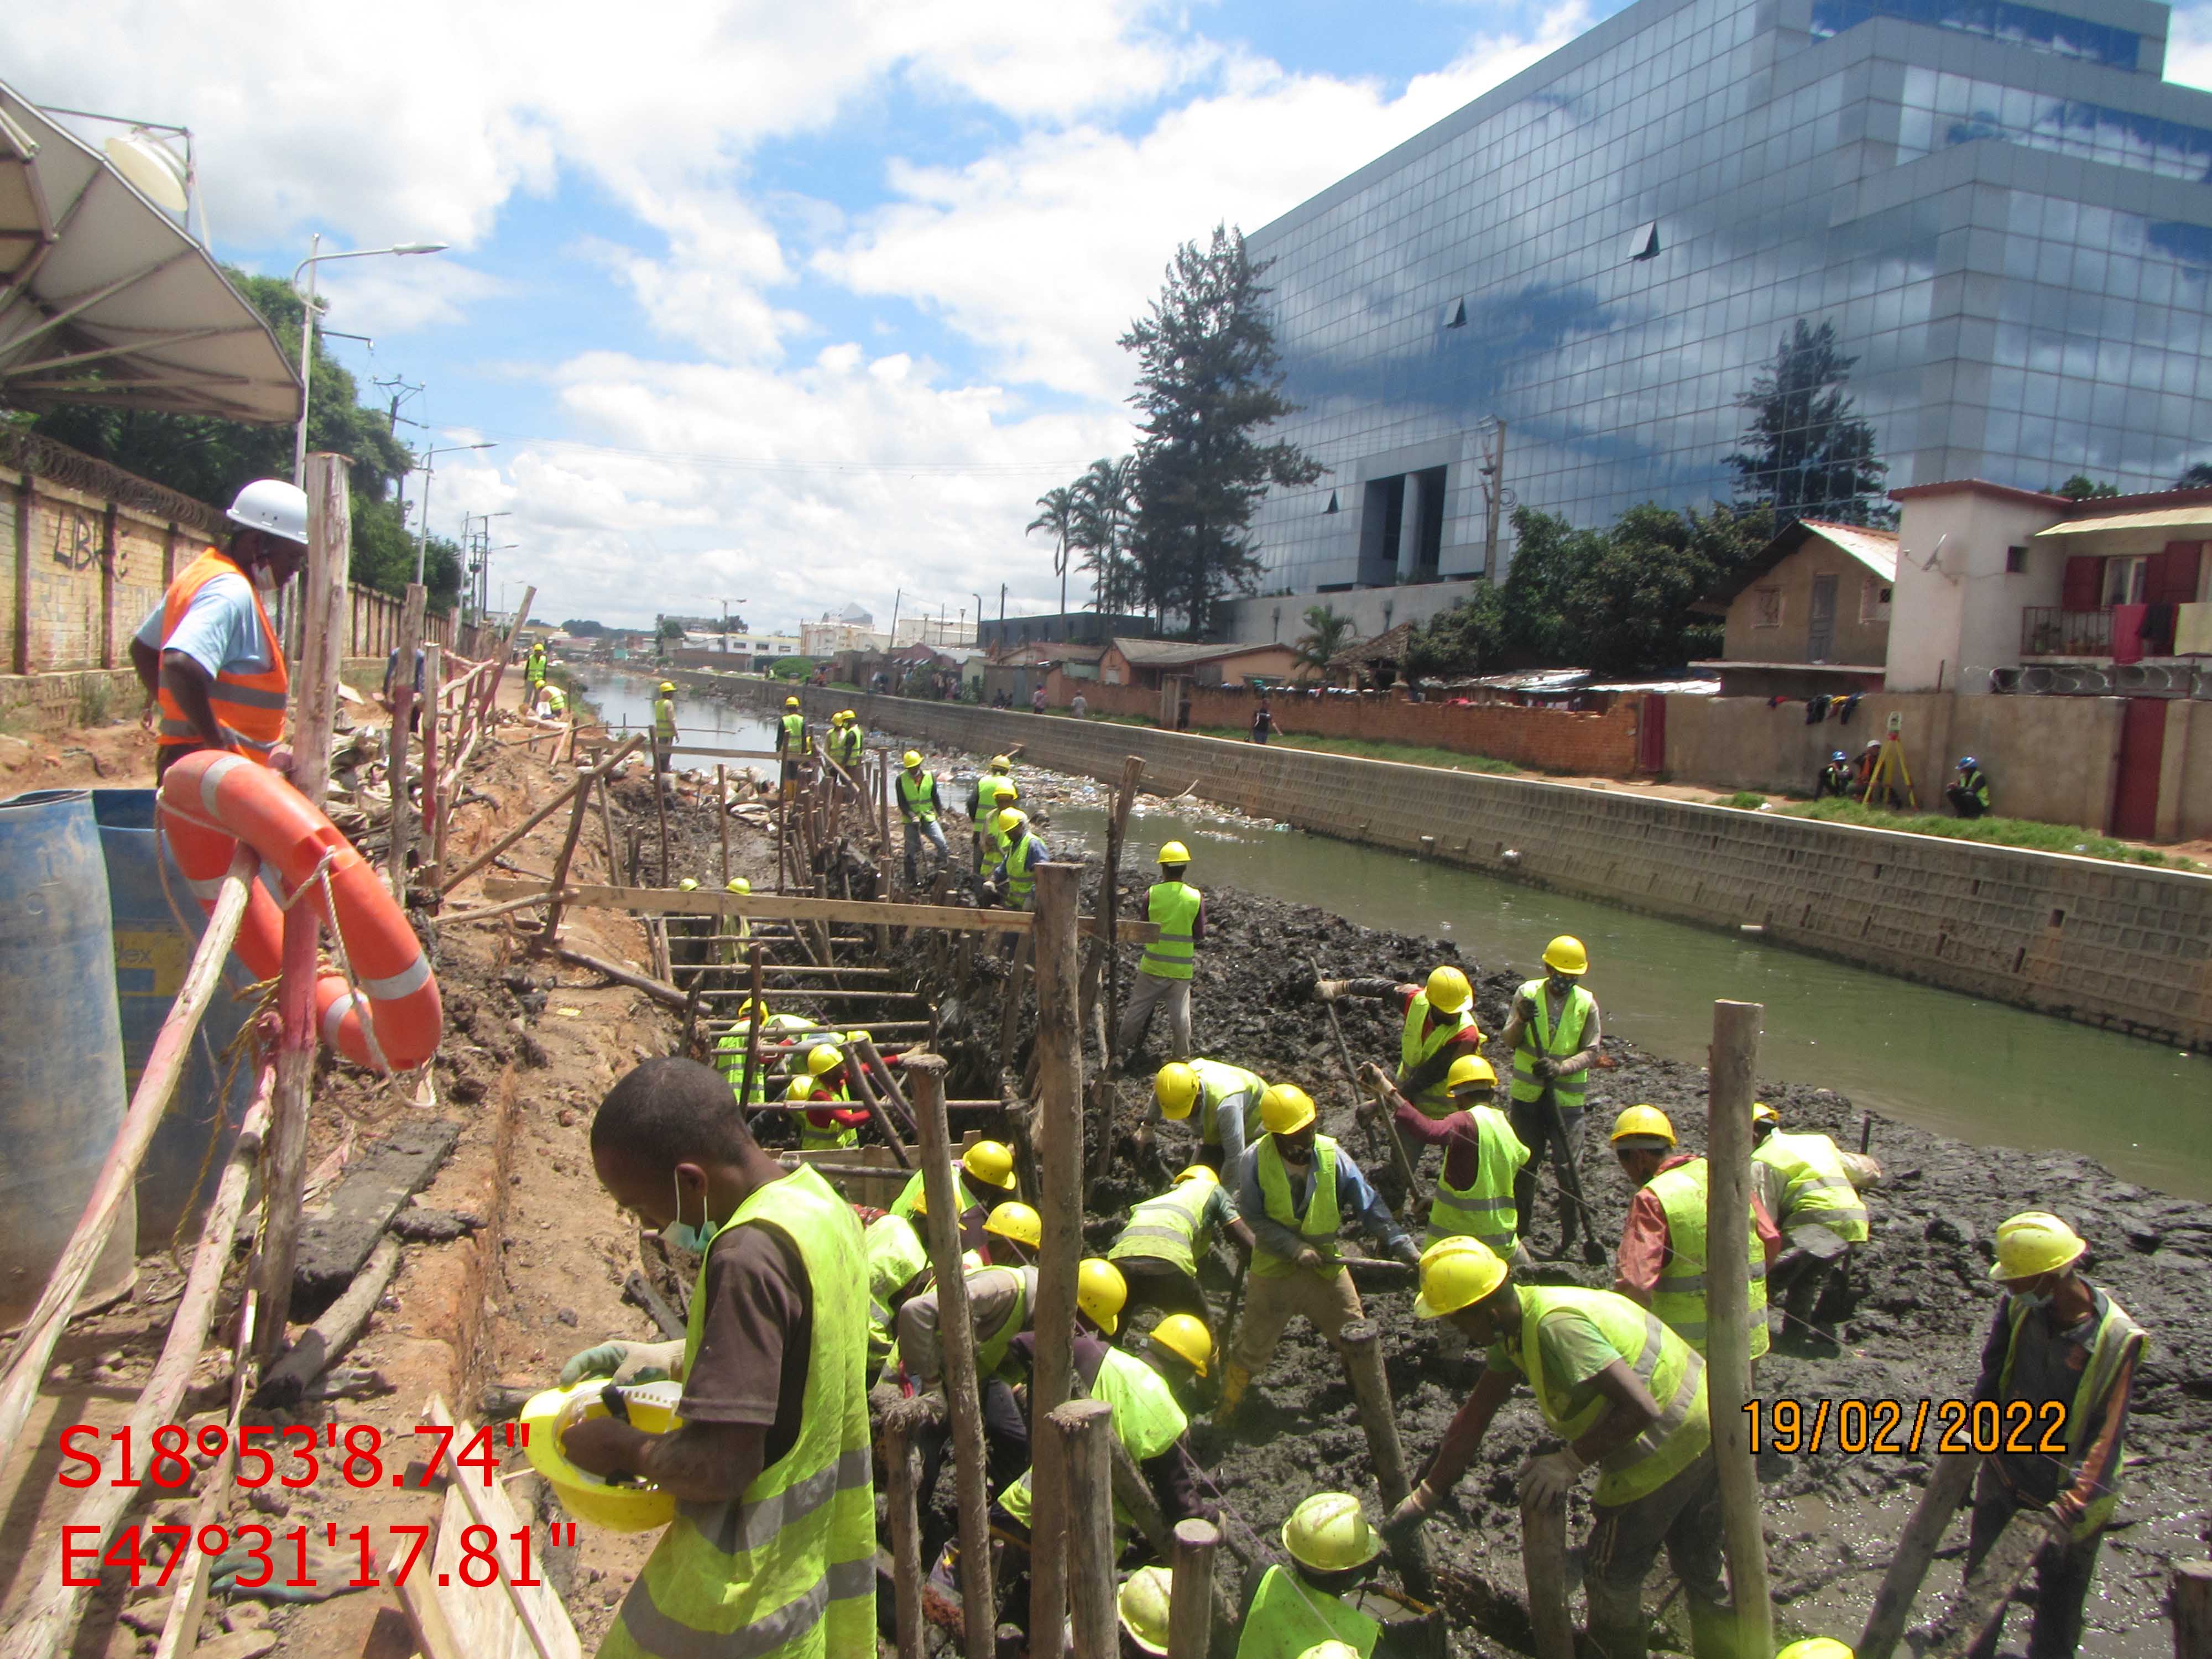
(1899, 1428)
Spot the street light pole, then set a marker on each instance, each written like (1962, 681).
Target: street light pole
(422, 537)
(307, 328)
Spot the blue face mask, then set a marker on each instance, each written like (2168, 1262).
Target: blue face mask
(683, 1234)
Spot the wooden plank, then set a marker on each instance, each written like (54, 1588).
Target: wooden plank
(793, 906)
(535, 1607)
(336, 1238)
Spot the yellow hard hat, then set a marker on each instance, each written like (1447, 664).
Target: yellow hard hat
(1566, 955)
(1642, 1121)
(791, 702)
(850, 715)
(749, 1009)
(2032, 1243)
(737, 884)
(911, 759)
(800, 1088)
(1009, 820)
(1816, 1647)
(688, 885)
(1175, 853)
(668, 685)
(1016, 1220)
(1143, 1602)
(1175, 1086)
(1331, 1649)
(1763, 1113)
(1457, 1277)
(1470, 1069)
(1185, 1336)
(822, 1058)
(1001, 763)
(858, 1036)
(1328, 1534)
(1197, 1172)
(1448, 990)
(1009, 793)
(991, 1163)
(1100, 1289)
(1285, 1109)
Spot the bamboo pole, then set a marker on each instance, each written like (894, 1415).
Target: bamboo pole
(856, 1067)
(561, 867)
(434, 671)
(956, 1332)
(1361, 1343)
(500, 657)
(752, 1042)
(447, 884)
(607, 824)
(1544, 1576)
(1109, 900)
(284, 1161)
(1190, 1608)
(889, 1083)
(1060, 1047)
(1948, 1483)
(402, 706)
(1085, 1428)
(722, 814)
(42, 1623)
(1728, 1302)
(902, 1465)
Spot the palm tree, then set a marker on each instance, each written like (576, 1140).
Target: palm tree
(1325, 635)
(1102, 525)
(1056, 512)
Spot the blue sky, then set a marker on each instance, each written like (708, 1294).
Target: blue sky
(798, 305)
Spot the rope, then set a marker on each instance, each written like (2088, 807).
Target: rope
(345, 966)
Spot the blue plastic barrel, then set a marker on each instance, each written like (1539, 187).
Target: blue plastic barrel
(61, 1045)
(152, 951)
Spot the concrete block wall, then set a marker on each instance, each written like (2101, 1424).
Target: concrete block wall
(2114, 945)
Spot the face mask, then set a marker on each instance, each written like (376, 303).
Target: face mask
(684, 1236)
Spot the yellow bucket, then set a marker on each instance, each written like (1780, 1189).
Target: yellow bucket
(586, 1497)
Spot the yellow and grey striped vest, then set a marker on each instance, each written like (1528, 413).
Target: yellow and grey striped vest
(1661, 1361)
(2115, 1337)
(1173, 906)
(1816, 1187)
(1539, 1036)
(1678, 1299)
(1318, 1226)
(1484, 1210)
(1167, 1228)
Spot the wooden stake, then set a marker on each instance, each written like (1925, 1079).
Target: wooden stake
(863, 1085)
(783, 828)
(1544, 1574)
(434, 673)
(2191, 1603)
(956, 1332)
(1010, 1003)
(1362, 1345)
(752, 1042)
(1727, 1302)
(1059, 1047)
(338, 1329)
(722, 814)
(1085, 1428)
(583, 793)
(607, 824)
(284, 1163)
(661, 783)
(1110, 898)
(1190, 1611)
(1948, 1483)
(1979, 1606)
(902, 1465)
(403, 705)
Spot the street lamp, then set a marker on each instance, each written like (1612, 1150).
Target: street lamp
(307, 328)
(422, 462)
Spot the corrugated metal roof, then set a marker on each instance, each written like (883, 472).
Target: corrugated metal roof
(2172, 518)
(1875, 548)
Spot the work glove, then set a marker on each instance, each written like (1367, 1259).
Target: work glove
(1402, 1521)
(624, 1362)
(1328, 990)
(1407, 1251)
(328, 1569)
(1547, 1480)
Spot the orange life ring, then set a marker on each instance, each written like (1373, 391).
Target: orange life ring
(211, 801)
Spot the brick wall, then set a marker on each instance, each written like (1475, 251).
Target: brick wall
(2114, 945)
(1542, 739)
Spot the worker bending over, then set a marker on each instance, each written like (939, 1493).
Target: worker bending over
(1808, 1185)
(1439, 1028)
(919, 804)
(1228, 1102)
(1663, 1242)
(1626, 1395)
(735, 930)
(898, 1269)
(1553, 1033)
(782, 1040)
(1002, 1303)
(1019, 854)
(831, 1121)
(1474, 1197)
(2064, 1349)
(774, 1367)
(983, 1177)
(992, 792)
(1166, 1238)
(1295, 1188)
(1178, 910)
(1332, 1551)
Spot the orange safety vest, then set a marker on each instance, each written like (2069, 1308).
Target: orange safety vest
(249, 707)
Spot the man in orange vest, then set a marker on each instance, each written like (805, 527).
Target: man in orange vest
(207, 653)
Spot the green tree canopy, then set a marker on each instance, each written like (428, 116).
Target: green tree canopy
(1806, 454)
(1326, 632)
(2083, 488)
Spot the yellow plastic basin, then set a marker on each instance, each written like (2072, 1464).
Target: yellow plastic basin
(586, 1497)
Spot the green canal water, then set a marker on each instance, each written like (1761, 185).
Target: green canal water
(1981, 1072)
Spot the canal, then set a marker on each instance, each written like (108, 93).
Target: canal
(1981, 1072)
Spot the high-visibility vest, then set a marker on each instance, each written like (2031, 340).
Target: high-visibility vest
(990, 1351)
(1318, 1226)
(2116, 1337)
(663, 719)
(1539, 1036)
(533, 666)
(845, 745)
(730, 1061)
(1662, 1362)
(895, 1256)
(1167, 1228)
(991, 791)
(787, 1571)
(1021, 879)
(1217, 1082)
(1483, 1210)
(917, 795)
(1288, 1617)
(1414, 1048)
(249, 708)
(1679, 1298)
(796, 742)
(1147, 1421)
(1816, 1187)
(829, 1137)
(969, 1192)
(1173, 908)
(1977, 784)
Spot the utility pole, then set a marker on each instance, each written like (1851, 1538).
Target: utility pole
(401, 391)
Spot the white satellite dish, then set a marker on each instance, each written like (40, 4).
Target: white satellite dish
(154, 169)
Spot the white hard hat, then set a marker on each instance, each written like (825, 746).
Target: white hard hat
(272, 505)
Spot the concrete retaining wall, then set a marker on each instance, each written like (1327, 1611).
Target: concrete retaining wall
(2114, 945)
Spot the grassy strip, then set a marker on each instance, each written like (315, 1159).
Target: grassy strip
(2030, 833)
(1406, 754)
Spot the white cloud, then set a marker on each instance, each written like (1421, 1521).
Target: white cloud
(2189, 47)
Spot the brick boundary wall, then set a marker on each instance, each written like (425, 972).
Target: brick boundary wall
(2120, 946)
(49, 701)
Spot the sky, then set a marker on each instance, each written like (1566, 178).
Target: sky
(793, 307)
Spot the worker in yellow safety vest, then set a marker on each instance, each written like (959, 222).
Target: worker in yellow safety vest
(1474, 1197)
(830, 1121)
(1812, 1188)
(898, 1268)
(1438, 1027)
(984, 1176)
(1165, 970)
(846, 742)
(736, 931)
(782, 1042)
(794, 746)
(664, 727)
(1226, 1099)
(1553, 1033)
(2061, 1356)
(992, 791)
(1001, 1305)
(773, 1548)
(1015, 885)
(1662, 1265)
(919, 803)
(1333, 1551)
(1166, 1237)
(1624, 1393)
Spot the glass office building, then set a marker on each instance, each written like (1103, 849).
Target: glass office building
(2001, 209)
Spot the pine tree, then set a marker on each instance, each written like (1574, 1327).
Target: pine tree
(1806, 454)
